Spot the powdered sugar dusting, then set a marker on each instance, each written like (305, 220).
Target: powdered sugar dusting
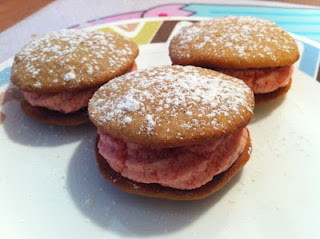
(150, 123)
(37, 84)
(127, 120)
(188, 97)
(90, 70)
(69, 76)
(238, 36)
(72, 56)
(128, 104)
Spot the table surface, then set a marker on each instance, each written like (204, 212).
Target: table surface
(42, 16)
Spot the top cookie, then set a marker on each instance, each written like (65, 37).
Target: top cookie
(234, 42)
(72, 60)
(171, 106)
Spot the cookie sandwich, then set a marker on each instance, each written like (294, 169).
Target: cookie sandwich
(58, 73)
(254, 50)
(173, 132)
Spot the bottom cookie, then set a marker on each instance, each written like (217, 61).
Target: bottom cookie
(158, 191)
(261, 99)
(54, 117)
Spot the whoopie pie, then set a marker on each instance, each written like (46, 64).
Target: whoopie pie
(174, 132)
(58, 73)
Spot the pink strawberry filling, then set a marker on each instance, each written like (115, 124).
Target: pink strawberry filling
(65, 102)
(186, 167)
(264, 80)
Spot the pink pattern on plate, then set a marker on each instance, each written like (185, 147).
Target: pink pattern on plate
(161, 11)
(167, 11)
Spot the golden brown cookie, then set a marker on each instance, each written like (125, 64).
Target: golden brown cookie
(72, 60)
(234, 43)
(171, 106)
(158, 191)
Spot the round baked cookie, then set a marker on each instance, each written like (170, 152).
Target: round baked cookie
(233, 43)
(159, 123)
(70, 61)
(251, 49)
(171, 106)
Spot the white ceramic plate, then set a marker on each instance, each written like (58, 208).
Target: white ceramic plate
(50, 186)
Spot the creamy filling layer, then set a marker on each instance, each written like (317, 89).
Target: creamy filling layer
(65, 102)
(264, 80)
(186, 167)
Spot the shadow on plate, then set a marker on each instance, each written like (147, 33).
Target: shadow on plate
(124, 213)
(263, 111)
(26, 131)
